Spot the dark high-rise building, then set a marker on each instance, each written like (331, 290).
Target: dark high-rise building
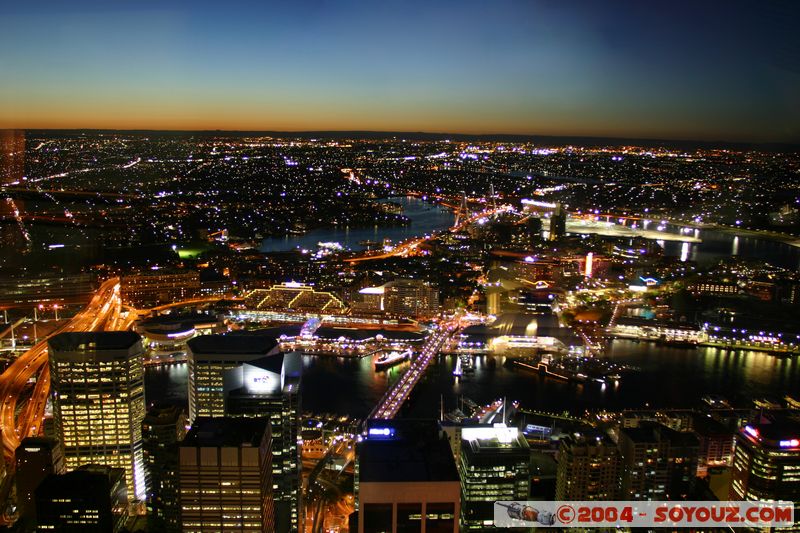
(162, 431)
(766, 463)
(97, 380)
(406, 478)
(270, 387)
(90, 499)
(588, 468)
(226, 476)
(209, 357)
(658, 463)
(36, 458)
(494, 465)
(558, 223)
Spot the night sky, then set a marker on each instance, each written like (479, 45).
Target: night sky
(722, 70)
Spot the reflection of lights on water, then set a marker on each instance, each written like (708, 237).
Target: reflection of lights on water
(603, 387)
(684, 251)
(735, 246)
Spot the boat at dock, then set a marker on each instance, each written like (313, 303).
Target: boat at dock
(389, 359)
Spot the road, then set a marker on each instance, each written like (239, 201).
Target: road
(104, 305)
(394, 398)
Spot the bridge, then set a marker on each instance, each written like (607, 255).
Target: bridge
(396, 396)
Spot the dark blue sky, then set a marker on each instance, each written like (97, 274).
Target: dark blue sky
(698, 70)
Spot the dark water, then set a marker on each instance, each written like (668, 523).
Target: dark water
(425, 218)
(666, 377)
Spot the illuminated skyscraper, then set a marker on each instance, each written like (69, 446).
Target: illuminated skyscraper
(270, 387)
(494, 465)
(209, 357)
(766, 463)
(97, 380)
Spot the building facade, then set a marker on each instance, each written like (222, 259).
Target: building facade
(658, 463)
(766, 463)
(162, 431)
(91, 499)
(209, 356)
(494, 465)
(588, 468)
(406, 479)
(270, 388)
(225, 476)
(97, 382)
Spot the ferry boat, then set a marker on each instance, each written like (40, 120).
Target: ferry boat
(390, 359)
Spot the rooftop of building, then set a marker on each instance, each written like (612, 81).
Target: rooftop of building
(405, 451)
(226, 432)
(493, 440)
(232, 344)
(35, 444)
(776, 428)
(85, 481)
(93, 341)
(653, 432)
(163, 415)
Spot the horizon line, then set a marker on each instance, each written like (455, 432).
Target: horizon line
(384, 134)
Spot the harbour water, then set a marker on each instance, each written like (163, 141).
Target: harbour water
(667, 376)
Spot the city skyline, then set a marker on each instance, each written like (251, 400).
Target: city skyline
(619, 70)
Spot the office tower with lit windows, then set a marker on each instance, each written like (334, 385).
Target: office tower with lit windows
(91, 499)
(163, 430)
(225, 476)
(406, 479)
(766, 463)
(495, 465)
(209, 357)
(270, 387)
(97, 381)
(658, 463)
(36, 458)
(588, 468)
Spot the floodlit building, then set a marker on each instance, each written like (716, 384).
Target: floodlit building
(295, 297)
(209, 357)
(91, 499)
(270, 387)
(495, 465)
(225, 476)
(406, 479)
(97, 382)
